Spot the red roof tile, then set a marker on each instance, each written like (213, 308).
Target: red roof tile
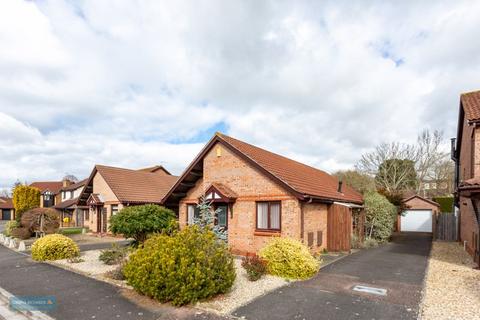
(133, 186)
(300, 179)
(471, 105)
(6, 203)
(66, 204)
(52, 186)
(75, 185)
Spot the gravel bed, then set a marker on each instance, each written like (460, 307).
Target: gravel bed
(452, 288)
(243, 291)
(91, 266)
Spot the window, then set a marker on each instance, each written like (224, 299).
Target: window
(71, 194)
(87, 214)
(268, 215)
(114, 208)
(426, 186)
(433, 185)
(192, 213)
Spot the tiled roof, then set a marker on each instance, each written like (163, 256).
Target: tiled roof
(133, 186)
(300, 177)
(67, 203)
(155, 169)
(471, 105)
(75, 185)
(302, 180)
(421, 198)
(224, 190)
(52, 186)
(6, 203)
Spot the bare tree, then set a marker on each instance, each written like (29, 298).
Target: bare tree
(429, 154)
(70, 177)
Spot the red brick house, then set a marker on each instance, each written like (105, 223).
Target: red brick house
(50, 192)
(261, 195)
(109, 189)
(466, 153)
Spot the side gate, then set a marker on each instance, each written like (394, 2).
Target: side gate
(339, 228)
(446, 227)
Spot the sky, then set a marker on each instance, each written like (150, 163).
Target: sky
(139, 83)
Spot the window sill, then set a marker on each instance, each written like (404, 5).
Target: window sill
(266, 233)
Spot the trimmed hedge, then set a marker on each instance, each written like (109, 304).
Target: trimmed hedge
(289, 258)
(188, 266)
(446, 203)
(54, 247)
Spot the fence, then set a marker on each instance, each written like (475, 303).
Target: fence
(446, 227)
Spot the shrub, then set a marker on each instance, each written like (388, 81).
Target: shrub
(355, 241)
(75, 260)
(21, 233)
(380, 216)
(113, 256)
(117, 273)
(9, 226)
(370, 243)
(255, 267)
(183, 268)
(138, 222)
(289, 258)
(25, 198)
(45, 220)
(54, 247)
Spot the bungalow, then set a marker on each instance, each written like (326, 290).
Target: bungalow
(466, 154)
(69, 206)
(109, 189)
(259, 194)
(7, 211)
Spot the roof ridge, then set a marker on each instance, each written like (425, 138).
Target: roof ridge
(470, 92)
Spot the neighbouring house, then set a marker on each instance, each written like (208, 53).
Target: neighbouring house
(435, 188)
(7, 211)
(466, 154)
(50, 192)
(72, 214)
(420, 215)
(259, 194)
(109, 189)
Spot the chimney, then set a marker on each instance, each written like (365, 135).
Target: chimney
(66, 183)
(340, 183)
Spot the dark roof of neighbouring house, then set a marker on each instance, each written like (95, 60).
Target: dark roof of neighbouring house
(52, 186)
(406, 199)
(155, 169)
(6, 203)
(471, 105)
(74, 186)
(66, 204)
(133, 186)
(302, 180)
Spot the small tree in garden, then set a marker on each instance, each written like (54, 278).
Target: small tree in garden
(206, 219)
(24, 199)
(138, 222)
(380, 216)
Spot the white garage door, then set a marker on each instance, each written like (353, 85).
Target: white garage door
(416, 221)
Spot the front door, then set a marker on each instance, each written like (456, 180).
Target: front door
(221, 218)
(104, 219)
(79, 220)
(99, 218)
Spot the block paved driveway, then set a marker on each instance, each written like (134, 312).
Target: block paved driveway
(399, 267)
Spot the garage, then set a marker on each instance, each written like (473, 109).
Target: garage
(419, 215)
(417, 221)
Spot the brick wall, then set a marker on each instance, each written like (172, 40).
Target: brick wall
(468, 223)
(101, 187)
(465, 169)
(221, 165)
(315, 219)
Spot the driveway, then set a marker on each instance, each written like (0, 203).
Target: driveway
(399, 267)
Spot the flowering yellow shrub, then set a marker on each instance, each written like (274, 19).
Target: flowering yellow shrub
(54, 247)
(289, 258)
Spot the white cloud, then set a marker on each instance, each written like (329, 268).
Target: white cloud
(134, 83)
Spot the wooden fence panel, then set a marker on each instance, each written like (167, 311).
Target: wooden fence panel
(446, 227)
(339, 228)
